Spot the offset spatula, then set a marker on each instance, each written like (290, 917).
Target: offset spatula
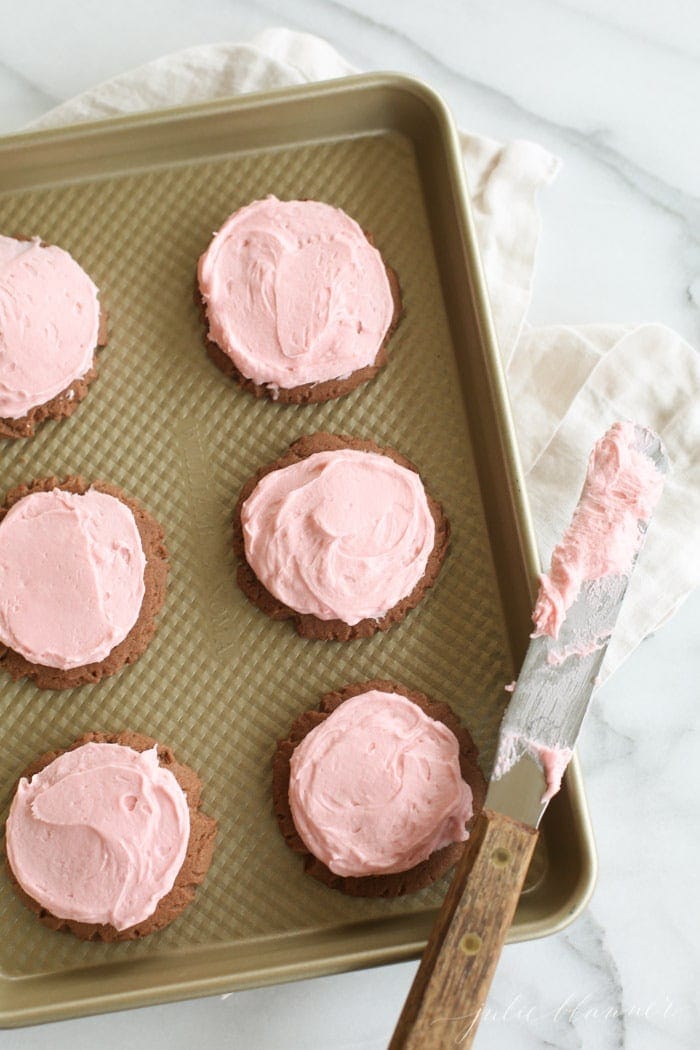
(536, 738)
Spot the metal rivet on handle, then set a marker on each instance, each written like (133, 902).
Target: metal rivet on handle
(470, 943)
(501, 857)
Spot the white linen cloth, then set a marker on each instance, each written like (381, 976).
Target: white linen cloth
(567, 384)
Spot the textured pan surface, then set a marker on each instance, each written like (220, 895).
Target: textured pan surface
(220, 682)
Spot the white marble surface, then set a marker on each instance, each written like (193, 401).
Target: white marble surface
(613, 88)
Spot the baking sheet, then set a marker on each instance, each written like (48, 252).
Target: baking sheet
(136, 201)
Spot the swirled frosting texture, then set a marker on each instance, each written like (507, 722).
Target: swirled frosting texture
(71, 577)
(376, 788)
(295, 293)
(620, 492)
(340, 535)
(49, 324)
(99, 835)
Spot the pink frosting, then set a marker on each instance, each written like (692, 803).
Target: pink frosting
(99, 835)
(620, 492)
(71, 577)
(295, 293)
(376, 788)
(552, 760)
(49, 323)
(341, 535)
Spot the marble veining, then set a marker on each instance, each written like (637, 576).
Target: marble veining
(613, 89)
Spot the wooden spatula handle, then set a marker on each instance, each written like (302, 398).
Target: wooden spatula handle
(448, 993)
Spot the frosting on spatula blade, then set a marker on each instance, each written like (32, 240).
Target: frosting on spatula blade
(576, 611)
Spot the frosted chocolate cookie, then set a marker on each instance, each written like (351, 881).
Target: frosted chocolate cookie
(299, 304)
(51, 325)
(339, 535)
(82, 576)
(107, 839)
(377, 790)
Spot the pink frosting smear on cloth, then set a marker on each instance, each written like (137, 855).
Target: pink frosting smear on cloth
(99, 835)
(49, 324)
(376, 788)
(71, 577)
(620, 492)
(295, 293)
(340, 535)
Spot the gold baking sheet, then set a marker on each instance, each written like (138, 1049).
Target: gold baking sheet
(136, 201)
